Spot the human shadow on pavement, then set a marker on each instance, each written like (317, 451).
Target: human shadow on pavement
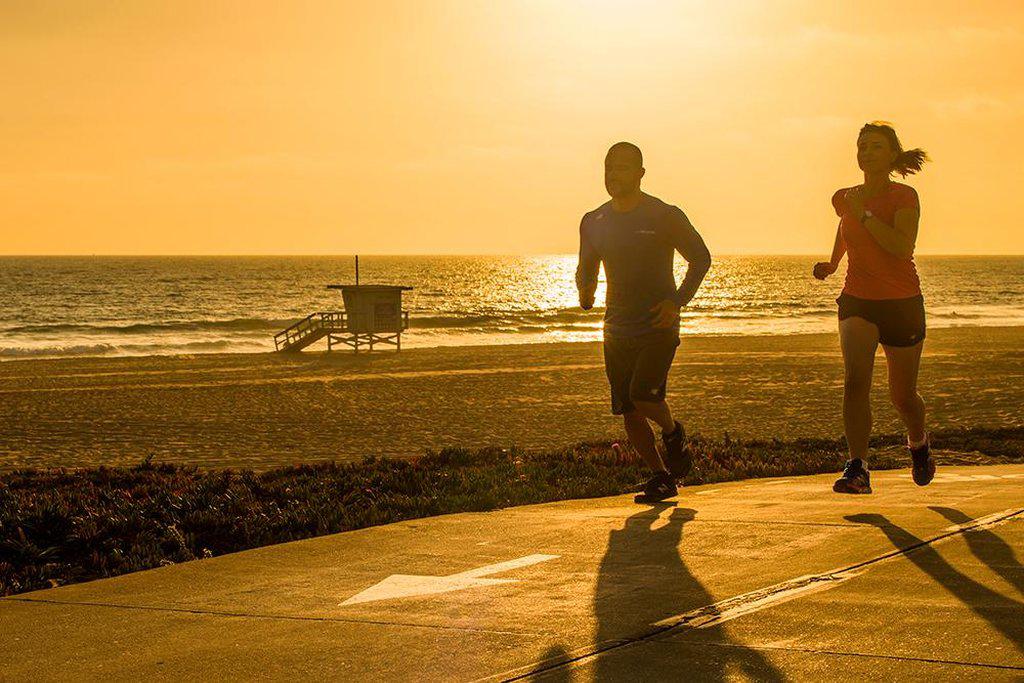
(1003, 613)
(989, 548)
(556, 657)
(642, 580)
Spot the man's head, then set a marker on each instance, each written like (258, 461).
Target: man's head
(623, 169)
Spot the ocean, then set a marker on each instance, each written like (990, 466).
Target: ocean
(115, 306)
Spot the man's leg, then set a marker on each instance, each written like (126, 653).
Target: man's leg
(621, 363)
(657, 412)
(647, 393)
(642, 437)
(677, 456)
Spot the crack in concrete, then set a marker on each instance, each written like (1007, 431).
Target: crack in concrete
(759, 522)
(751, 602)
(865, 655)
(280, 617)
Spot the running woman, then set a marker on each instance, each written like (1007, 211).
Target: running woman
(636, 236)
(881, 302)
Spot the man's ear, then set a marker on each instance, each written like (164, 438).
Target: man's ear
(642, 171)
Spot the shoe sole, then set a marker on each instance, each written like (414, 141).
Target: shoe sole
(641, 498)
(845, 488)
(930, 474)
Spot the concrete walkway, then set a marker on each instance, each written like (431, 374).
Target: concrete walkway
(766, 579)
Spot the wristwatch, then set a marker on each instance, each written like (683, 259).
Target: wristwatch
(865, 216)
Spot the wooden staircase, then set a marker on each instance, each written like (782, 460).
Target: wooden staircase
(310, 329)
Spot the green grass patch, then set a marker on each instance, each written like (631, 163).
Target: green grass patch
(63, 526)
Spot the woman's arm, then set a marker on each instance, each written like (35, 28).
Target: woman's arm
(825, 268)
(838, 249)
(899, 239)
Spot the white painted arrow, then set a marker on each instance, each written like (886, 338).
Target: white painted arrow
(407, 586)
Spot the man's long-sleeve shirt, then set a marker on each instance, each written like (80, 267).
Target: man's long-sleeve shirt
(637, 248)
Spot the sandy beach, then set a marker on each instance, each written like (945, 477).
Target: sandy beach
(264, 410)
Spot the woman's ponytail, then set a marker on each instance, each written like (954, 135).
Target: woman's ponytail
(909, 161)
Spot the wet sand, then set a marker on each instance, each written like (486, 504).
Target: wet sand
(264, 410)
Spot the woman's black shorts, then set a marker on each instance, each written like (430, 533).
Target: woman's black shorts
(900, 322)
(637, 367)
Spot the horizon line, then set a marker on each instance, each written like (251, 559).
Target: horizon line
(452, 254)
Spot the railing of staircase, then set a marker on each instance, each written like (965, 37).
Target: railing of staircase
(312, 322)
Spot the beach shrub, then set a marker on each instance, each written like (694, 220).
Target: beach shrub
(60, 526)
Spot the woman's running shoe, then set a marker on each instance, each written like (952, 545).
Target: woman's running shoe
(924, 464)
(855, 479)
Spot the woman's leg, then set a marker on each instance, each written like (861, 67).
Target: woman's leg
(859, 341)
(904, 363)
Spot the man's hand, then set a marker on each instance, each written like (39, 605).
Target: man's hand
(824, 269)
(855, 201)
(666, 314)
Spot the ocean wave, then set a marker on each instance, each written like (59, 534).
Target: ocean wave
(503, 319)
(555, 319)
(954, 315)
(73, 350)
(230, 324)
(241, 335)
(155, 349)
(561, 318)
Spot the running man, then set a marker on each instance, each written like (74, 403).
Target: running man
(881, 301)
(636, 236)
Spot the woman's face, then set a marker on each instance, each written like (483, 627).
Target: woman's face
(874, 155)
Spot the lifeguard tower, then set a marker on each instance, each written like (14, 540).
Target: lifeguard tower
(373, 315)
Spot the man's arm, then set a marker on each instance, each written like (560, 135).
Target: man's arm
(688, 243)
(587, 270)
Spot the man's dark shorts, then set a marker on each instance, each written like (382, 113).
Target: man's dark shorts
(637, 367)
(900, 322)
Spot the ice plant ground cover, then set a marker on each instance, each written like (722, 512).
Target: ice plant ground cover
(61, 526)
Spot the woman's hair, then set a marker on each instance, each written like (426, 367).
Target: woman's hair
(907, 161)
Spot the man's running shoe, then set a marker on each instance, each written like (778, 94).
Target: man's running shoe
(677, 452)
(658, 488)
(924, 464)
(855, 479)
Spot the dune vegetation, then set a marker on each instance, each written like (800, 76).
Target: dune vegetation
(60, 526)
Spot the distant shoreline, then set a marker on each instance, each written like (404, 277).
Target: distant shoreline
(316, 350)
(456, 255)
(409, 345)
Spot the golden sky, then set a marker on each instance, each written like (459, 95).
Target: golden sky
(430, 126)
